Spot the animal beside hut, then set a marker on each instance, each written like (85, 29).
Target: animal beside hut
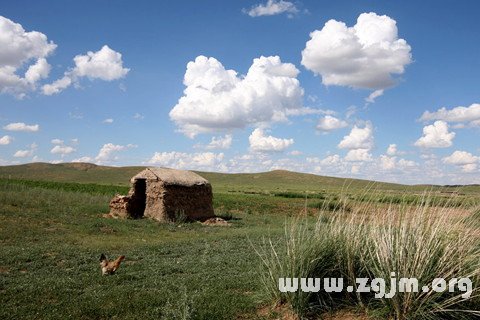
(165, 195)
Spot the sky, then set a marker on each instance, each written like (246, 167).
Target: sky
(381, 90)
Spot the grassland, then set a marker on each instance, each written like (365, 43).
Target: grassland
(52, 233)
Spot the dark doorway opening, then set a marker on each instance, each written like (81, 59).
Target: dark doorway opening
(139, 198)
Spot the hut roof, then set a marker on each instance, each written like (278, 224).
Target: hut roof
(171, 176)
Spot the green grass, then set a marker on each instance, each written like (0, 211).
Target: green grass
(52, 233)
(51, 239)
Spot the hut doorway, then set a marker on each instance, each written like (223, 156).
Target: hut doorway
(139, 198)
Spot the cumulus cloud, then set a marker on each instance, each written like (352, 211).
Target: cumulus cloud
(108, 120)
(220, 142)
(391, 163)
(217, 99)
(392, 150)
(20, 126)
(62, 150)
(181, 160)
(23, 153)
(436, 136)
(387, 163)
(358, 155)
(83, 159)
(470, 115)
(358, 138)
(22, 50)
(367, 55)
(330, 123)
(272, 7)
(467, 161)
(105, 64)
(108, 151)
(259, 142)
(5, 140)
(26, 153)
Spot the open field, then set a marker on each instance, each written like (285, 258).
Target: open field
(52, 233)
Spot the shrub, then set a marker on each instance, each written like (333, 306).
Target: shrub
(421, 241)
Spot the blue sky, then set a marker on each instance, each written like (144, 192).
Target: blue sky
(150, 86)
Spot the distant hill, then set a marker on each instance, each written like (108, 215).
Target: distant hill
(278, 180)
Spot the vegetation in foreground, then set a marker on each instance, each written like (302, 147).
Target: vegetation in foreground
(52, 234)
(51, 240)
(372, 241)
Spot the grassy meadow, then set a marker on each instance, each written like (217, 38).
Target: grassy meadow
(52, 233)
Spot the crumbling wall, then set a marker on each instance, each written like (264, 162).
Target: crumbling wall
(129, 206)
(119, 206)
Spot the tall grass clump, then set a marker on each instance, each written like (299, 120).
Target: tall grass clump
(375, 240)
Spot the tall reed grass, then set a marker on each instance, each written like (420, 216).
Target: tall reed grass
(373, 240)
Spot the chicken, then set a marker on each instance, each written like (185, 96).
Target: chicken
(109, 267)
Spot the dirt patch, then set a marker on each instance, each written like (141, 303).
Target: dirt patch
(107, 230)
(4, 270)
(277, 312)
(216, 222)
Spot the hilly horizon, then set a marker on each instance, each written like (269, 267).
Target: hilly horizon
(283, 180)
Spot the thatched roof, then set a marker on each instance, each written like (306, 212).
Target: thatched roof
(171, 176)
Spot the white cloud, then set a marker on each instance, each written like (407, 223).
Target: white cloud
(5, 140)
(329, 123)
(138, 116)
(108, 150)
(469, 115)
(392, 150)
(259, 142)
(358, 155)
(63, 150)
(37, 71)
(26, 153)
(220, 142)
(20, 126)
(272, 7)
(467, 161)
(83, 159)
(108, 121)
(217, 99)
(105, 64)
(295, 153)
(387, 163)
(374, 95)
(391, 163)
(355, 169)
(22, 50)
(366, 55)
(57, 86)
(358, 138)
(23, 153)
(181, 160)
(436, 136)
(56, 141)
(402, 163)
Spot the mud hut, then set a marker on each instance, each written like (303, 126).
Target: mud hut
(165, 195)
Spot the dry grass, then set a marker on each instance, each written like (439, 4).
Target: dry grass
(372, 241)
